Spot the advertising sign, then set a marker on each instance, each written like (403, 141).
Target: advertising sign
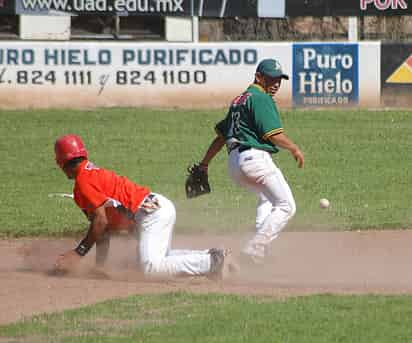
(396, 71)
(83, 74)
(325, 74)
(384, 7)
(201, 8)
(320, 8)
(240, 8)
(225, 8)
(105, 7)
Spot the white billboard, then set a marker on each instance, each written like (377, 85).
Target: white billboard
(184, 75)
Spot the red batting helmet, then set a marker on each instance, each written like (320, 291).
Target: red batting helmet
(68, 147)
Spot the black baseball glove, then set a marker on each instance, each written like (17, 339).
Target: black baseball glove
(197, 182)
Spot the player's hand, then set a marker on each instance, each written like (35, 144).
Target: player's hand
(203, 167)
(67, 262)
(298, 155)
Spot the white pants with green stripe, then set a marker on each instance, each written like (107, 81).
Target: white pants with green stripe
(255, 170)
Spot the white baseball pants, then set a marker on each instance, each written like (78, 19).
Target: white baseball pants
(255, 170)
(154, 233)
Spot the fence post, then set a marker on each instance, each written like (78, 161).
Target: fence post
(353, 29)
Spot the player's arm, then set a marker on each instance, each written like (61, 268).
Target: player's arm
(97, 228)
(212, 151)
(267, 120)
(283, 141)
(216, 145)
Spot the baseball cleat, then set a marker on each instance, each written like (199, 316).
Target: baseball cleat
(218, 263)
(253, 253)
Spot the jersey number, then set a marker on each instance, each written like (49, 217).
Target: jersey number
(235, 124)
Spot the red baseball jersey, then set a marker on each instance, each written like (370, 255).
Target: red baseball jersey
(96, 186)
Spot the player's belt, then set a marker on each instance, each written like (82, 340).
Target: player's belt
(238, 146)
(244, 148)
(150, 203)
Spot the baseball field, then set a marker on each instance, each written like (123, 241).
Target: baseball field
(340, 274)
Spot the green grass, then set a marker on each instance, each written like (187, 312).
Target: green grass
(359, 160)
(183, 317)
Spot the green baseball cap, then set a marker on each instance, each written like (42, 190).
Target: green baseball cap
(272, 68)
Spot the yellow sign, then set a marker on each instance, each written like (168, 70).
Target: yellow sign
(403, 74)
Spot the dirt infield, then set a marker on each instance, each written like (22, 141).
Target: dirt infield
(299, 264)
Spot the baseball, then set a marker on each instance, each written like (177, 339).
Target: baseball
(324, 203)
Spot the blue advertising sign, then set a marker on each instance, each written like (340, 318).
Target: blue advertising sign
(325, 74)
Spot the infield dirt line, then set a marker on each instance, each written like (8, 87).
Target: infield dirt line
(299, 264)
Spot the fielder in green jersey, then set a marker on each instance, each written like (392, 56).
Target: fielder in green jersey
(252, 118)
(251, 131)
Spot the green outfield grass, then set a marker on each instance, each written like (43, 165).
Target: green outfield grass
(183, 317)
(359, 160)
